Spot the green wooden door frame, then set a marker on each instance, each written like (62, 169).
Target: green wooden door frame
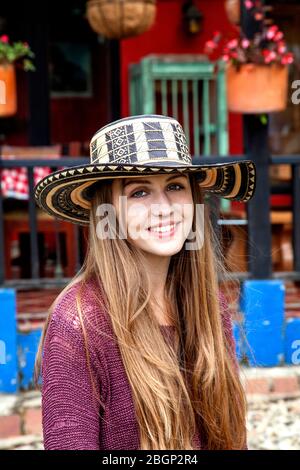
(142, 78)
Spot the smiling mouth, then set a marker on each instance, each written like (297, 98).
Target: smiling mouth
(166, 230)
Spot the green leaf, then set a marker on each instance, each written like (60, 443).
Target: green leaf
(263, 119)
(28, 66)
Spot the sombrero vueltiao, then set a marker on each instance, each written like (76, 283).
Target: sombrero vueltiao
(134, 146)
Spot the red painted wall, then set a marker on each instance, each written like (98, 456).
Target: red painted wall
(167, 37)
(77, 119)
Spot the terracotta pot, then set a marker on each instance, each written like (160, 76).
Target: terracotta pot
(232, 8)
(257, 88)
(116, 19)
(8, 92)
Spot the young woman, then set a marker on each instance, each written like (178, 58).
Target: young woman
(137, 351)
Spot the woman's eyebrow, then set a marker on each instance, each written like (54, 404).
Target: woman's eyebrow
(172, 177)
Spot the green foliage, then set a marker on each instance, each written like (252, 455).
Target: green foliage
(17, 52)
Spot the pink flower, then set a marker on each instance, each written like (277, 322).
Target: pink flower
(248, 4)
(287, 59)
(210, 45)
(270, 56)
(258, 16)
(271, 32)
(4, 38)
(245, 43)
(278, 36)
(232, 44)
(281, 48)
(274, 27)
(225, 57)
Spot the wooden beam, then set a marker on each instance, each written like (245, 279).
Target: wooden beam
(39, 100)
(258, 208)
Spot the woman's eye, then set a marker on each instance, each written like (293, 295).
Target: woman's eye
(177, 185)
(137, 194)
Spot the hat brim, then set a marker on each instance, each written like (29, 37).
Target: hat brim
(64, 193)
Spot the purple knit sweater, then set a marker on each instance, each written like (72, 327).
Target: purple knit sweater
(71, 416)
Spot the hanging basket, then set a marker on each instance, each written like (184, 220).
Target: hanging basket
(116, 19)
(232, 8)
(8, 93)
(253, 88)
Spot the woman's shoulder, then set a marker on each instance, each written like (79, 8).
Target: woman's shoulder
(67, 346)
(78, 303)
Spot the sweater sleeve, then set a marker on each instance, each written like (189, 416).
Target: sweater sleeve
(228, 329)
(70, 412)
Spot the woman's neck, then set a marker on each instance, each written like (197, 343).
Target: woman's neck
(157, 268)
(163, 313)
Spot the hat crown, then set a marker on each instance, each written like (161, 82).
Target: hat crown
(146, 139)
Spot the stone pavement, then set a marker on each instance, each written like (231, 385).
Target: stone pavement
(21, 421)
(273, 420)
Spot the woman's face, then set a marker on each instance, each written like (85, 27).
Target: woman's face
(157, 211)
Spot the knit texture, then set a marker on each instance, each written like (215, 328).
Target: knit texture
(71, 416)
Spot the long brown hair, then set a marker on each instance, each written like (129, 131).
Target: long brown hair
(175, 390)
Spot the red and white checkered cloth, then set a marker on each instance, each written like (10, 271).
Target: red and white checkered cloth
(14, 182)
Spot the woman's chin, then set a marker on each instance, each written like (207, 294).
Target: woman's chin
(162, 248)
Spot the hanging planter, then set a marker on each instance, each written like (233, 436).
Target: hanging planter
(8, 92)
(253, 88)
(232, 8)
(116, 19)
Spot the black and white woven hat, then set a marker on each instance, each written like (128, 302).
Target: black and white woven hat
(134, 146)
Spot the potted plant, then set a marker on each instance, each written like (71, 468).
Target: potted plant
(12, 55)
(256, 69)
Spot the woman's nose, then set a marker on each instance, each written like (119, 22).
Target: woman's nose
(161, 204)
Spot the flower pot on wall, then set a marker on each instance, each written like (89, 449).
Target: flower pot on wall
(254, 88)
(116, 19)
(8, 92)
